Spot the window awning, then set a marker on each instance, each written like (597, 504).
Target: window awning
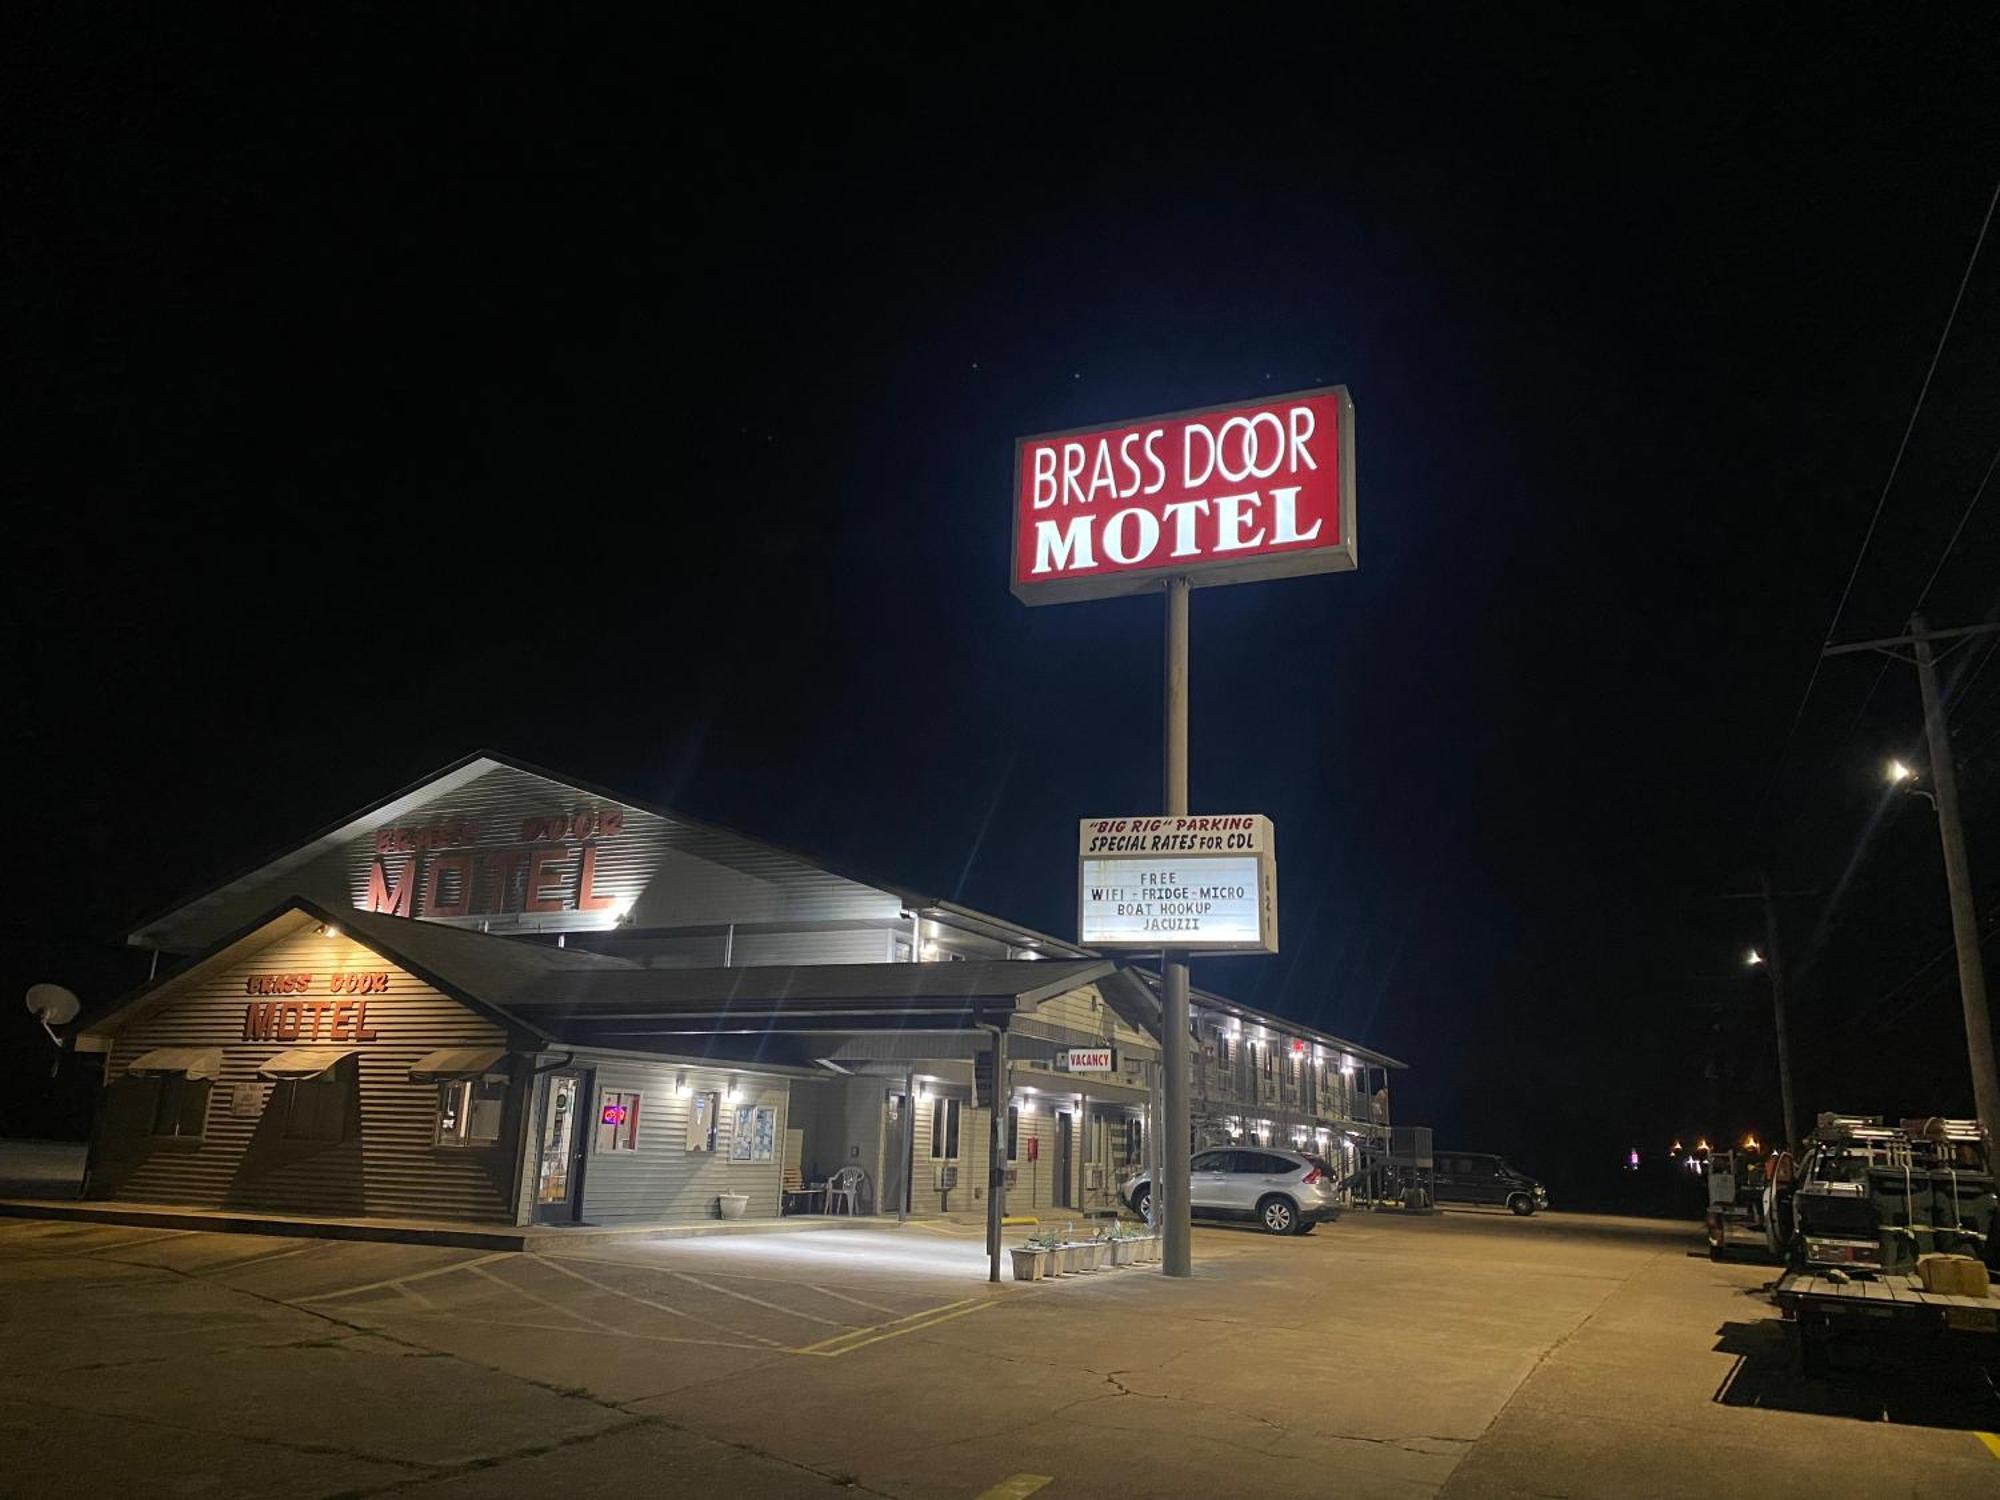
(304, 1062)
(192, 1062)
(449, 1064)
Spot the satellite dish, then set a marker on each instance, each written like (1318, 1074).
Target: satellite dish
(52, 1005)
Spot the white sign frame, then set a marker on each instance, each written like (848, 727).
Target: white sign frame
(1228, 846)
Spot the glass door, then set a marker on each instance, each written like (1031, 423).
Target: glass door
(559, 1179)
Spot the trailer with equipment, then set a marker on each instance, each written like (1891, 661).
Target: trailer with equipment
(1889, 1237)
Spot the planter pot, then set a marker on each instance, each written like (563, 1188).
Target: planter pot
(731, 1205)
(1090, 1254)
(1067, 1258)
(1123, 1251)
(1149, 1249)
(1031, 1264)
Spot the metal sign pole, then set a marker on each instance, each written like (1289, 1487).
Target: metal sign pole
(1176, 1247)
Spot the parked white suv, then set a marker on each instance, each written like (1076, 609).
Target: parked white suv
(1285, 1192)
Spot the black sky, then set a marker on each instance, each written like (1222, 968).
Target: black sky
(641, 402)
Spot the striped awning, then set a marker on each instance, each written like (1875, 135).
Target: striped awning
(304, 1062)
(191, 1062)
(449, 1064)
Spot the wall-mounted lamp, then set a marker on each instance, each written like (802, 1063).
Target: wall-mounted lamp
(681, 1089)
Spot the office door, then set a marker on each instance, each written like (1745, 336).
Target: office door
(559, 1176)
(1065, 1194)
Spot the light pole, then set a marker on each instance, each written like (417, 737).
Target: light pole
(1951, 836)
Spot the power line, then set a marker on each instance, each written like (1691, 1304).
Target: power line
(1956, 532)
(1880, 500)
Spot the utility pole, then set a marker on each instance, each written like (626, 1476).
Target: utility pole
(1958, 876)
(1957, 870)
(1176, 1249)
(1775, 962)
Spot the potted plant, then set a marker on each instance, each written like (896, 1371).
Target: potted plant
(731, 1205)
(1039, 1257)
(1031, 1261)
(1093, 1251)
(1124, 1246)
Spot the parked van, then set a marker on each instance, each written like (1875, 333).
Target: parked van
(1473, 1177)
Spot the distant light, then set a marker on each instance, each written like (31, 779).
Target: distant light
(1753, 959)
(1632, 1157)
(1675, 1148)
(621, 909)
(1750, 1142)
(329, 930)
(1898, 772)
(929, 950)
(1700, 1146)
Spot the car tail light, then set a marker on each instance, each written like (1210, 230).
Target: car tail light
(1312, 1176)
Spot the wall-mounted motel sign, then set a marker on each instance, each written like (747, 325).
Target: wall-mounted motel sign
(1088, 1060)
(1197, 884)
(1224, 494)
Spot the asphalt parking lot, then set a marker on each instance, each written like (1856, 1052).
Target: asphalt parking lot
(1465, 1355)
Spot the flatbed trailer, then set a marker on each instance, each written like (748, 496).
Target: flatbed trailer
(1887, 1308)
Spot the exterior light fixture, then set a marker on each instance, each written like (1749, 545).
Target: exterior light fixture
(1750, 1142)
(1752, 959)
(328, 930)
(732, 1088)
(681, 1089)
(929, 949)
(1899, 773)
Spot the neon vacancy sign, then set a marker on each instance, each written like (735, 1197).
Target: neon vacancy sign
(1223, 494)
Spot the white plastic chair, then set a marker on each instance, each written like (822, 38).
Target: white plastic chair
(845, 1187)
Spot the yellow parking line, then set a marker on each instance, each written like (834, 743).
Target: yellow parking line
(1017, 1487)
(1992, 1443)
(862, 1337)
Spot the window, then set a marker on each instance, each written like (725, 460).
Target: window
(469, 1111)
(617, 1121)
(1133, 1140)
(703, 1112)
(1221, 1051)
(1013, 1133)
(180, 1107)
(944, 1130)
(756, 1134)
(315, 1109)
(1291, 1069)
(1210, 1161)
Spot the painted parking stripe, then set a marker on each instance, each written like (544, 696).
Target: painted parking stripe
(790, 1312)
(1017, 1487)
(664, 1307)
(1992, 1443)
(389, 1281)
(847, 1343)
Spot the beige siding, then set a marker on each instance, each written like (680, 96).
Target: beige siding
(662, 1182)
(393, 1168)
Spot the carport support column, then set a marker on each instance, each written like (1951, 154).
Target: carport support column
(1176, 1249)
(996, 1145)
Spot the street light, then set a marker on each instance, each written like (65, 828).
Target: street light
(1753, 959)
(1898, 772)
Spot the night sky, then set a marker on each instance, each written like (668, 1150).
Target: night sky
(642, 404)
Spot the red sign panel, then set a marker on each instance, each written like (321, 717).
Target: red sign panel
(1227, 494)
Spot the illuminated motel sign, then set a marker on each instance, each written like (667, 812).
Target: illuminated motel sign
(1224, 494)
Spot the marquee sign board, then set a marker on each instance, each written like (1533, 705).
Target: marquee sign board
(1196, 884)
(1223, 494)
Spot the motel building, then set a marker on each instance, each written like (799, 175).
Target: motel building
(500, 996)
